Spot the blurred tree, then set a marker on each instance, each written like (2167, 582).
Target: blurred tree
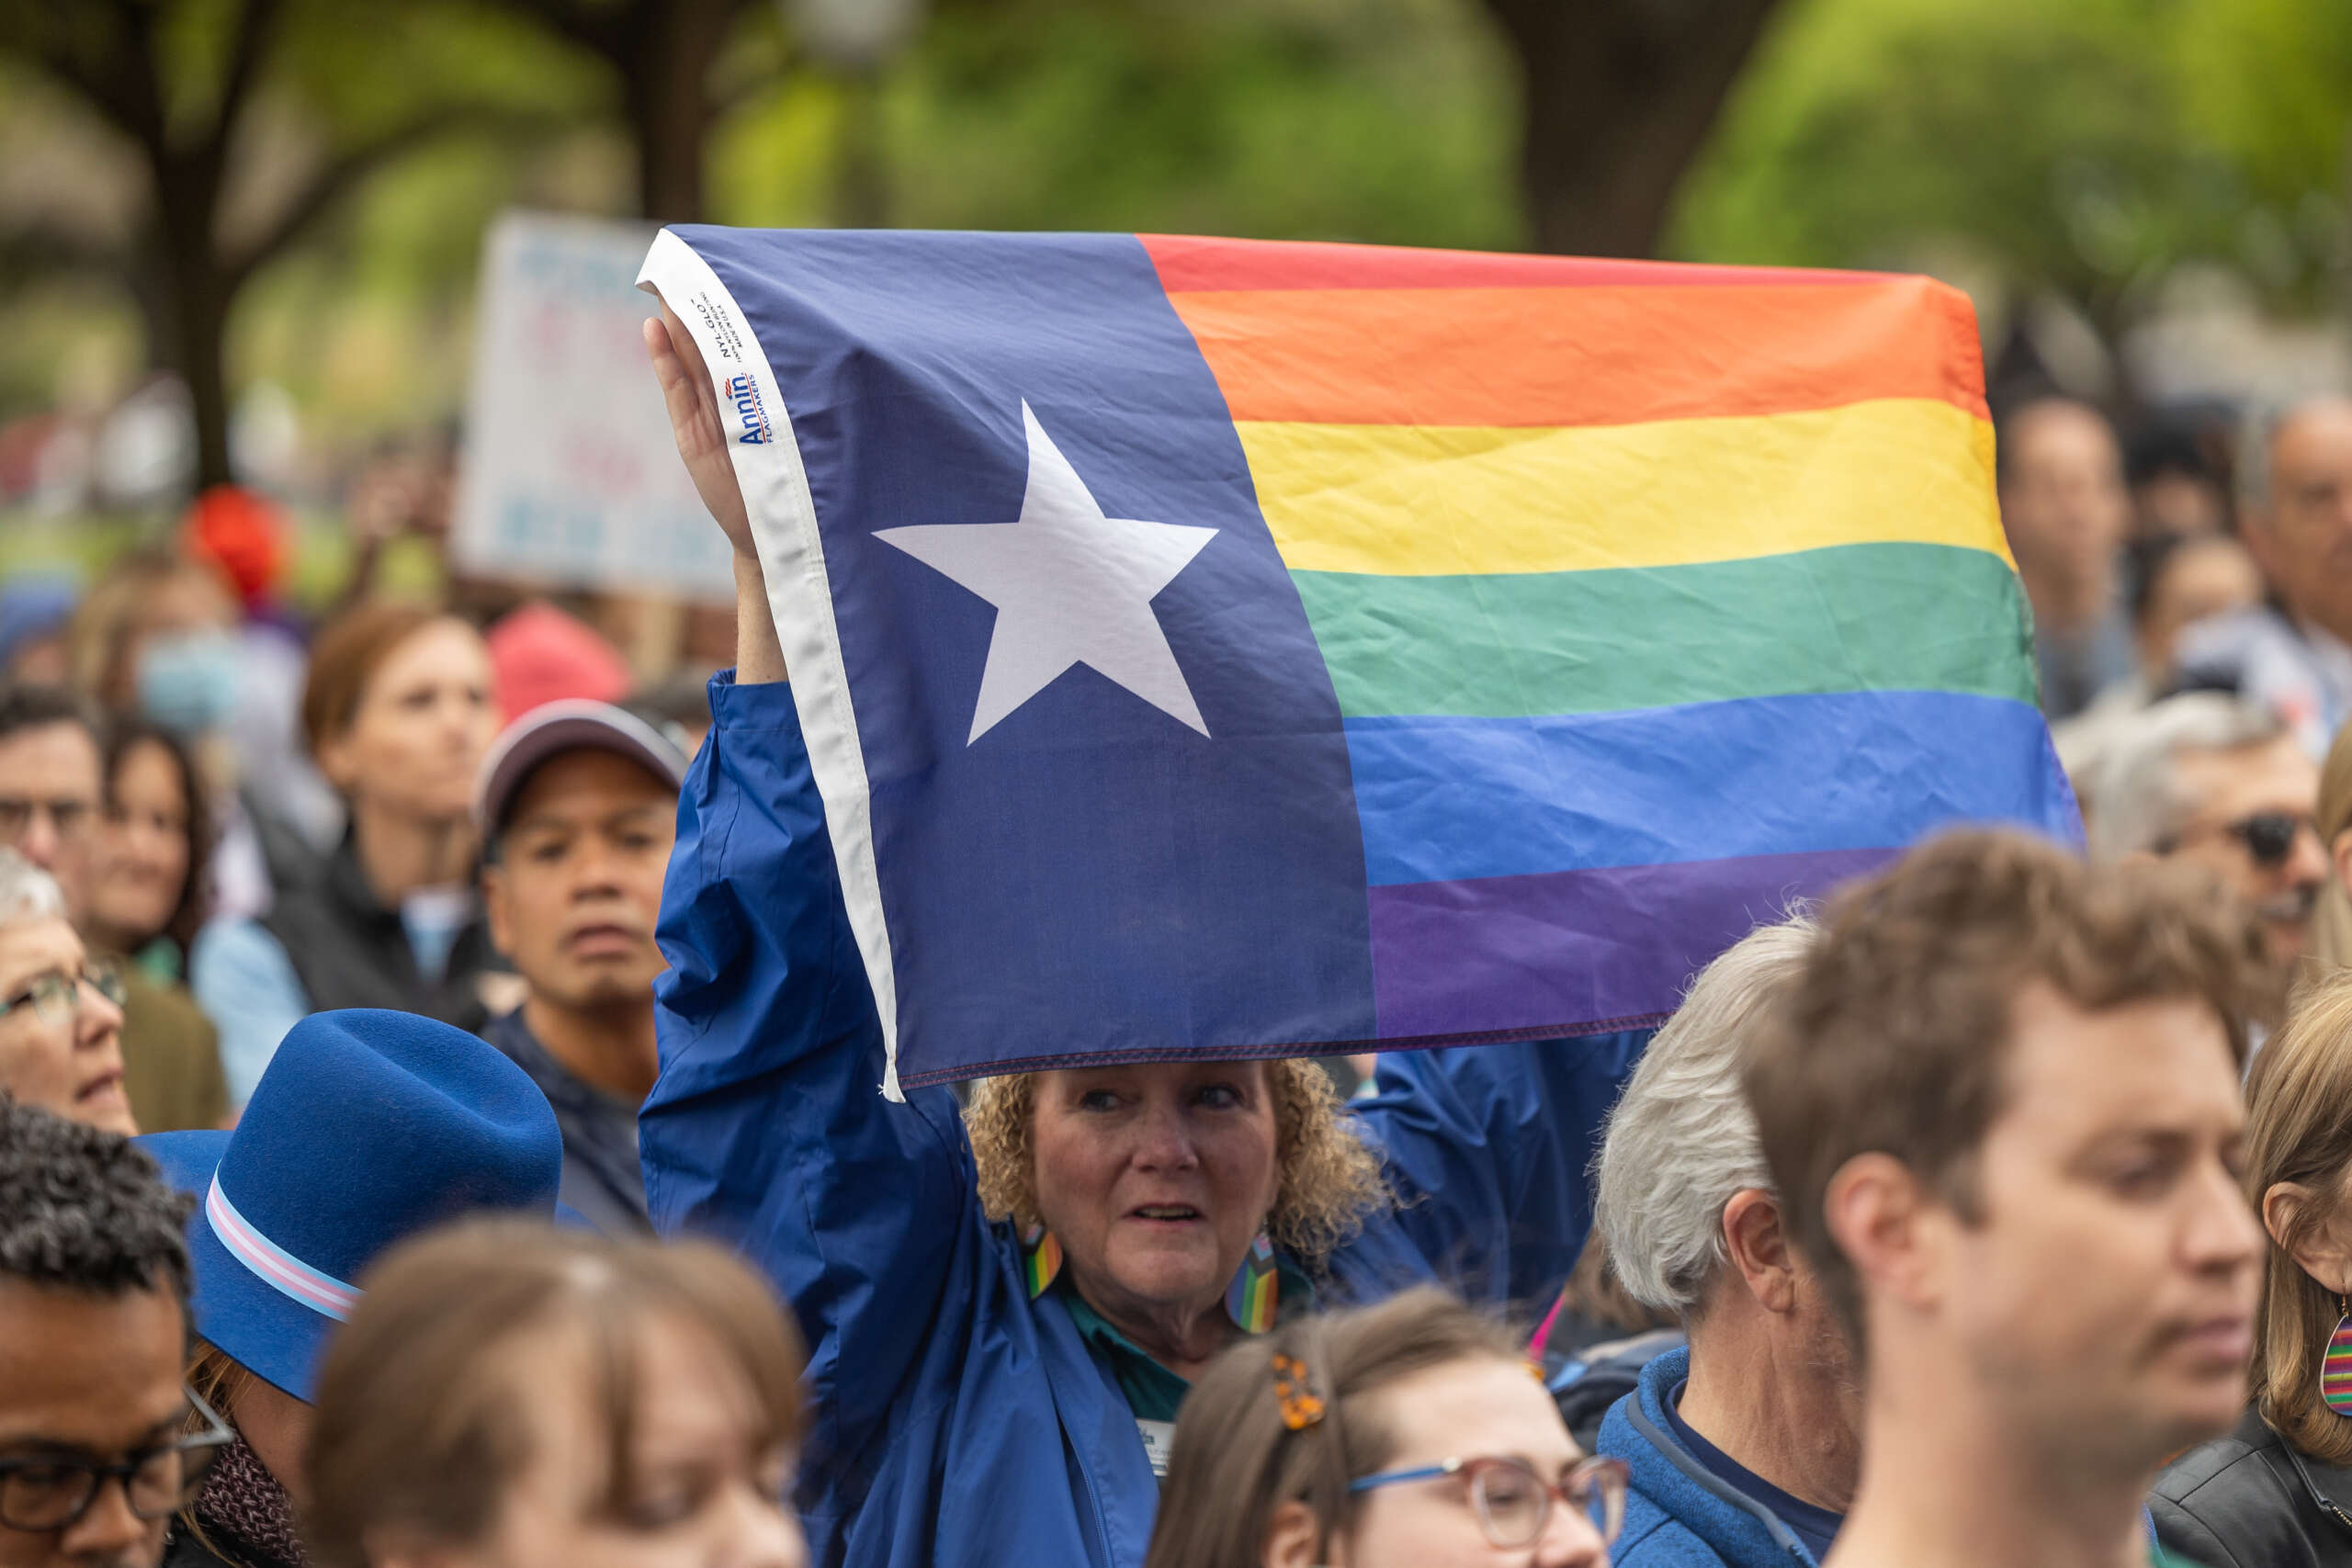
(1616, 97)
(2090, 147)
(663, 54)
(250, 120)
(1379, 121)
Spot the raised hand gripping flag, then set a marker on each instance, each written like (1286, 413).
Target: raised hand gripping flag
(1211, 647)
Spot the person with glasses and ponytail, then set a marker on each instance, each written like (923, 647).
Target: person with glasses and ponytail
(2205, 780)
(1413, 1432)
(2278, 1490)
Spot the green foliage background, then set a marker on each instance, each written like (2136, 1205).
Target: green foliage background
(2089, 147)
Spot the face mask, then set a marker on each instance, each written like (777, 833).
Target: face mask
(187, 681)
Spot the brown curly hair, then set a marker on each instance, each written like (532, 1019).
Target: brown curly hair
(1331, 1180)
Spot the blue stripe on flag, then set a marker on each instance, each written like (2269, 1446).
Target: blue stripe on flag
(1446, 799)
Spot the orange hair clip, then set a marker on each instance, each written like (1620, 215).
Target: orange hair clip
(1295, 1393)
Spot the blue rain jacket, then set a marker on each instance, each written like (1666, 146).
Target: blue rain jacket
(957, 1421)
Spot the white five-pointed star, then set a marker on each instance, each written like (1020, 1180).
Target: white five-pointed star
(1070, 586)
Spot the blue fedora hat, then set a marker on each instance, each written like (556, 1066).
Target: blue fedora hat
(366, 1127)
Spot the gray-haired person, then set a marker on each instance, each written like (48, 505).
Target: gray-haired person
(1742, 1448)
(2207, 780)
(2292, 655)
(97, 1446)
(61, 1010)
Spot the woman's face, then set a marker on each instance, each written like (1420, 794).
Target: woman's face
(705, 1491)
(1155, 1177)
(2203, 577)
(424, 721)
(1471, 1409)
(69, 1065)
(188, 601)
(141, 864)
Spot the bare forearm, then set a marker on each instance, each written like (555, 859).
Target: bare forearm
(759, 655)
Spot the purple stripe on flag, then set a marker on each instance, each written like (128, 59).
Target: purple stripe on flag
(1576, 952)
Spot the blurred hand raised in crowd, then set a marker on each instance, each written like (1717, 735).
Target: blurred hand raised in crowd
(694, 420)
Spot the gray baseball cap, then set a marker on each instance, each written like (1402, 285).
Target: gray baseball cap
(570, 724)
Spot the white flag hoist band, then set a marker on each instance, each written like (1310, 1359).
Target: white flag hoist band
(276, 1268)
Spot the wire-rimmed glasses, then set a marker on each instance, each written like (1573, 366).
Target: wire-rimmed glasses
(55, 995)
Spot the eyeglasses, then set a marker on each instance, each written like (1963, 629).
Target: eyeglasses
(2268, 836)
(54, 996)
(69, 817)
(1514, 1503)
(47, 1492)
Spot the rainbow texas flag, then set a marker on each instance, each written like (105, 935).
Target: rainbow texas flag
(1215, 647)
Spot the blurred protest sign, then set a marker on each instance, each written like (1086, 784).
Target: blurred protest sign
(571, 479)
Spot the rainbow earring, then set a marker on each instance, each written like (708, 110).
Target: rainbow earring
(1041, 1259)
(2335, 1366)
(1249, 1300)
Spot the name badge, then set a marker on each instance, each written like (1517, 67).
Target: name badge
(1159, 1437)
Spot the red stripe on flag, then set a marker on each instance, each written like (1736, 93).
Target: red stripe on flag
(1548, 357)
(1187, 263)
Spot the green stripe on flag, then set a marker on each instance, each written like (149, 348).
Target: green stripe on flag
(1848, 618)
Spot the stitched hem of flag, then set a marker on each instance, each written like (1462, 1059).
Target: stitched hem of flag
(1583, 1029)
(801, 598)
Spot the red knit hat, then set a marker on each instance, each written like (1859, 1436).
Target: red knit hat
(538, 654)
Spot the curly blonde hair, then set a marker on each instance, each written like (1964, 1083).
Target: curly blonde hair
(1331, 1180)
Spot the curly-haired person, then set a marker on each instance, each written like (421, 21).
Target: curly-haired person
(1006, 1310)
(1999, 1103)
(95, 1442)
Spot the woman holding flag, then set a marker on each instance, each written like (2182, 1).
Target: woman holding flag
(1005, 1320)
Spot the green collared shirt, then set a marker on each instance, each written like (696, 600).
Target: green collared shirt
(1153, 1393)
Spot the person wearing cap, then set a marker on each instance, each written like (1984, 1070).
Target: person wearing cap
(367, 1127)
(578, 807)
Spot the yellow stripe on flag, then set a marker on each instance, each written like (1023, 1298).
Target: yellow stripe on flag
(1428, 500)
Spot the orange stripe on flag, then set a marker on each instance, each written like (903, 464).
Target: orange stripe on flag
(1577, 356)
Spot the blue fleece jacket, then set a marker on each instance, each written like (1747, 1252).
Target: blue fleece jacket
(1679, 1514)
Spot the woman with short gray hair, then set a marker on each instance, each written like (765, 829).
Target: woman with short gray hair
(61, 1010)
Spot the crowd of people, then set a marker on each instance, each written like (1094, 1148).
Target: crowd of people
(376, 1191)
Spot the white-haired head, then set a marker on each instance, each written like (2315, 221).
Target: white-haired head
(1681, 1141)
(2138, 799)
(26, 892)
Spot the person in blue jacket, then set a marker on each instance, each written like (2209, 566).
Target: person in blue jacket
(987, 1387)
(1745, 1446)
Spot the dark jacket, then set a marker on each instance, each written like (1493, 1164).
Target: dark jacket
(602, 1180)
(2247, 1500)
(183, 1549)
(351, 952)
